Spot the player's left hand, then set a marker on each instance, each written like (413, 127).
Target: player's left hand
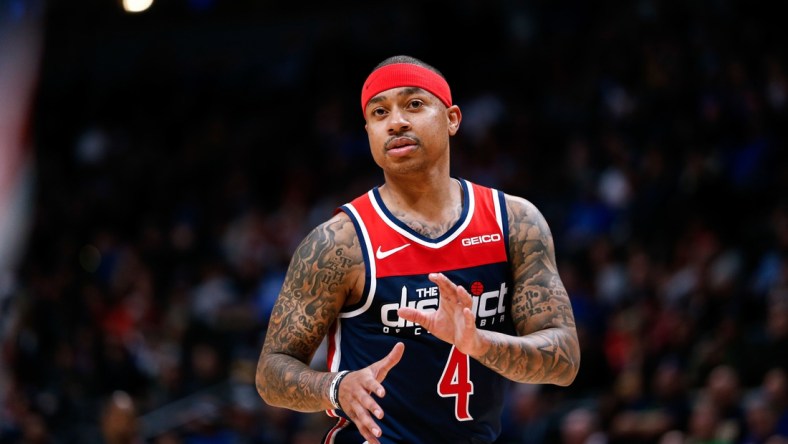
(453, 321)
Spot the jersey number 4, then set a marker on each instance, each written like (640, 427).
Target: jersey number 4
(456, 381)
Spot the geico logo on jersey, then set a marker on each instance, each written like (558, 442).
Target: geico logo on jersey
(488, 306)
(483, 239)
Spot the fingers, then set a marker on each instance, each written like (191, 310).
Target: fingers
(356, 390)
(388, 363)
(470, 320)
(439, 279)
(359, 405)
(360, 415)
(414, 315)
(449, 291)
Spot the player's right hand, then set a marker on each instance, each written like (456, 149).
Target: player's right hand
(356, 389)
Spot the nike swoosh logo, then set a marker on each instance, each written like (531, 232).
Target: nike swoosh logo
(384, 254)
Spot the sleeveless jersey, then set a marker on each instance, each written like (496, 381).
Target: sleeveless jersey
(435, 394)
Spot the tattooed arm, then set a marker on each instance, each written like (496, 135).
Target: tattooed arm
(546, 349)
(323, 272)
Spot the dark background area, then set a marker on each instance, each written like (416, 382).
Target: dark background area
(181, 154)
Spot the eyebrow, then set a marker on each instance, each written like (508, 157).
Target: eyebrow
(405, 92)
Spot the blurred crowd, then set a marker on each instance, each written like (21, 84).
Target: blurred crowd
(176, 171)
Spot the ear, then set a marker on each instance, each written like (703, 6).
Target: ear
(455, 117)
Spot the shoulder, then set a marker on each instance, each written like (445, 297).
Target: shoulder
(336, 233)
(332, 254)
(528, 230)
(523, 211)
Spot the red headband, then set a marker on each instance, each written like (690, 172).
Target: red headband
(404, 74)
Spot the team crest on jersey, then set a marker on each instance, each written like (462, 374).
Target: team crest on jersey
(489, 307)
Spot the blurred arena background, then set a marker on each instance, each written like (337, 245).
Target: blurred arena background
(159, 167)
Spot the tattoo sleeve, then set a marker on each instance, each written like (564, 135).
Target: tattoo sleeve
(547, 350)
(316, 284)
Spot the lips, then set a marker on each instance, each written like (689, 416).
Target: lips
(400, 142)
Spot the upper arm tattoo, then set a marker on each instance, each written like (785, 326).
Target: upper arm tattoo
(321, 274)
(541, 300)
(547, 350)
(314, 289)
(541, 307)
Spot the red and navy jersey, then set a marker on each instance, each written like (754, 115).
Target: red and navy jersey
(435, 393)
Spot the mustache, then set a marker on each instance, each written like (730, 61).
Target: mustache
(412, 140)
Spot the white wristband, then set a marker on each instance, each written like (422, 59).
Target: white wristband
(333, 389)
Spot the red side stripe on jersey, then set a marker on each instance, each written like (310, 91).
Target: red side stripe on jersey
(332, 434)
(332, 344)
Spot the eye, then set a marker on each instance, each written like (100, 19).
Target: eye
(378, 112)
(415, 104)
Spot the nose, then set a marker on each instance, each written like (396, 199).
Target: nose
(398, 121)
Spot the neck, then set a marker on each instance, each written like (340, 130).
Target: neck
(430, 207)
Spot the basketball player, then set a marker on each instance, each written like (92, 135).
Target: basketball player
(435, 293)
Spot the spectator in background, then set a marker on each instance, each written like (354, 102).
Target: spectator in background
(762, 421)
(706, 426)
(723, 390)
(774, 390)
(119, 423)
(767, 344)
(581, 426)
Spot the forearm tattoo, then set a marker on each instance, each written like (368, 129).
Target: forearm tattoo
(542, 313)
(309, 302)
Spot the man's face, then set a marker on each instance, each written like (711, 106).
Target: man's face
(409, 129)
